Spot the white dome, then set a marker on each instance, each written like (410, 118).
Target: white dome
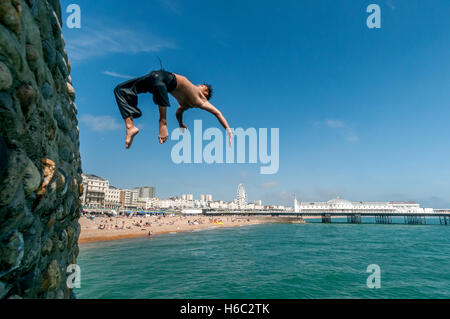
(339, 201)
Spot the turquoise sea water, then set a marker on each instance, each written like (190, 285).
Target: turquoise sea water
(272, 261)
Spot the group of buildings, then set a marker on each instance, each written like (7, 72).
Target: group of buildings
(98, 193)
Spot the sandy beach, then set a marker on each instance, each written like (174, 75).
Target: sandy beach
(121, 227)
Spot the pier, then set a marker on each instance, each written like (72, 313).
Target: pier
(443, 217)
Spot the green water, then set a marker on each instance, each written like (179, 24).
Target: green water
(272, 261)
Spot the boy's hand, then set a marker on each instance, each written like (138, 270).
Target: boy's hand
(163, 133)
(230, 136)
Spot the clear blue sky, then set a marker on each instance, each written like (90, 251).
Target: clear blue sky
(363, 114)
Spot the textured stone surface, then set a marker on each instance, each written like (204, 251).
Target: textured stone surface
(52, 276)
(5, 77)
(48, 168)
(32, 178)
(3, 289)
(10, 15)
(40, 164)
(11, 252)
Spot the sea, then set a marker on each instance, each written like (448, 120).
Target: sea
(273, 261)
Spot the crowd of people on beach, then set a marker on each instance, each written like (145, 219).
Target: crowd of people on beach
(120, 222)
(97, 227)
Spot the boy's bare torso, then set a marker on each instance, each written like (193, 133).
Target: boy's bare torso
(187, 94)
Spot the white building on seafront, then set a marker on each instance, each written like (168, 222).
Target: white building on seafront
(145, 192)
(112, 197)
(241, 198)
(338, 205)
(206, 197)
(94, 189)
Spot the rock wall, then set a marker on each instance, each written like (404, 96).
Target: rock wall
(40, 166)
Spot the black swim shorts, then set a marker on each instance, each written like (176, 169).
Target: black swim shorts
(159, 83)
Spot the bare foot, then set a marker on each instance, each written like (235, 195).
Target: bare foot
(163, 133)
(131, 133)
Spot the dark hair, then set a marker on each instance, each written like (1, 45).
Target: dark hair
(210, 91)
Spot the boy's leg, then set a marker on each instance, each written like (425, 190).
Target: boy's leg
(127, 102)
(161, 98)
(160, 92)
(163, 132)
(132, 131)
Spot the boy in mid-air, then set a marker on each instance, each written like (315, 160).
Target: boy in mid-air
(160, 83)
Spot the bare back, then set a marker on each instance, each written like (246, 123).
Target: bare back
(187, 94)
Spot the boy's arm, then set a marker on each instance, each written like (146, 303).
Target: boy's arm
(179, 116)
(213, 110)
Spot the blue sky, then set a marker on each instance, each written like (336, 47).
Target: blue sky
(363, 113)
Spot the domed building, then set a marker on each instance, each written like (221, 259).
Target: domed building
(337, 205)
